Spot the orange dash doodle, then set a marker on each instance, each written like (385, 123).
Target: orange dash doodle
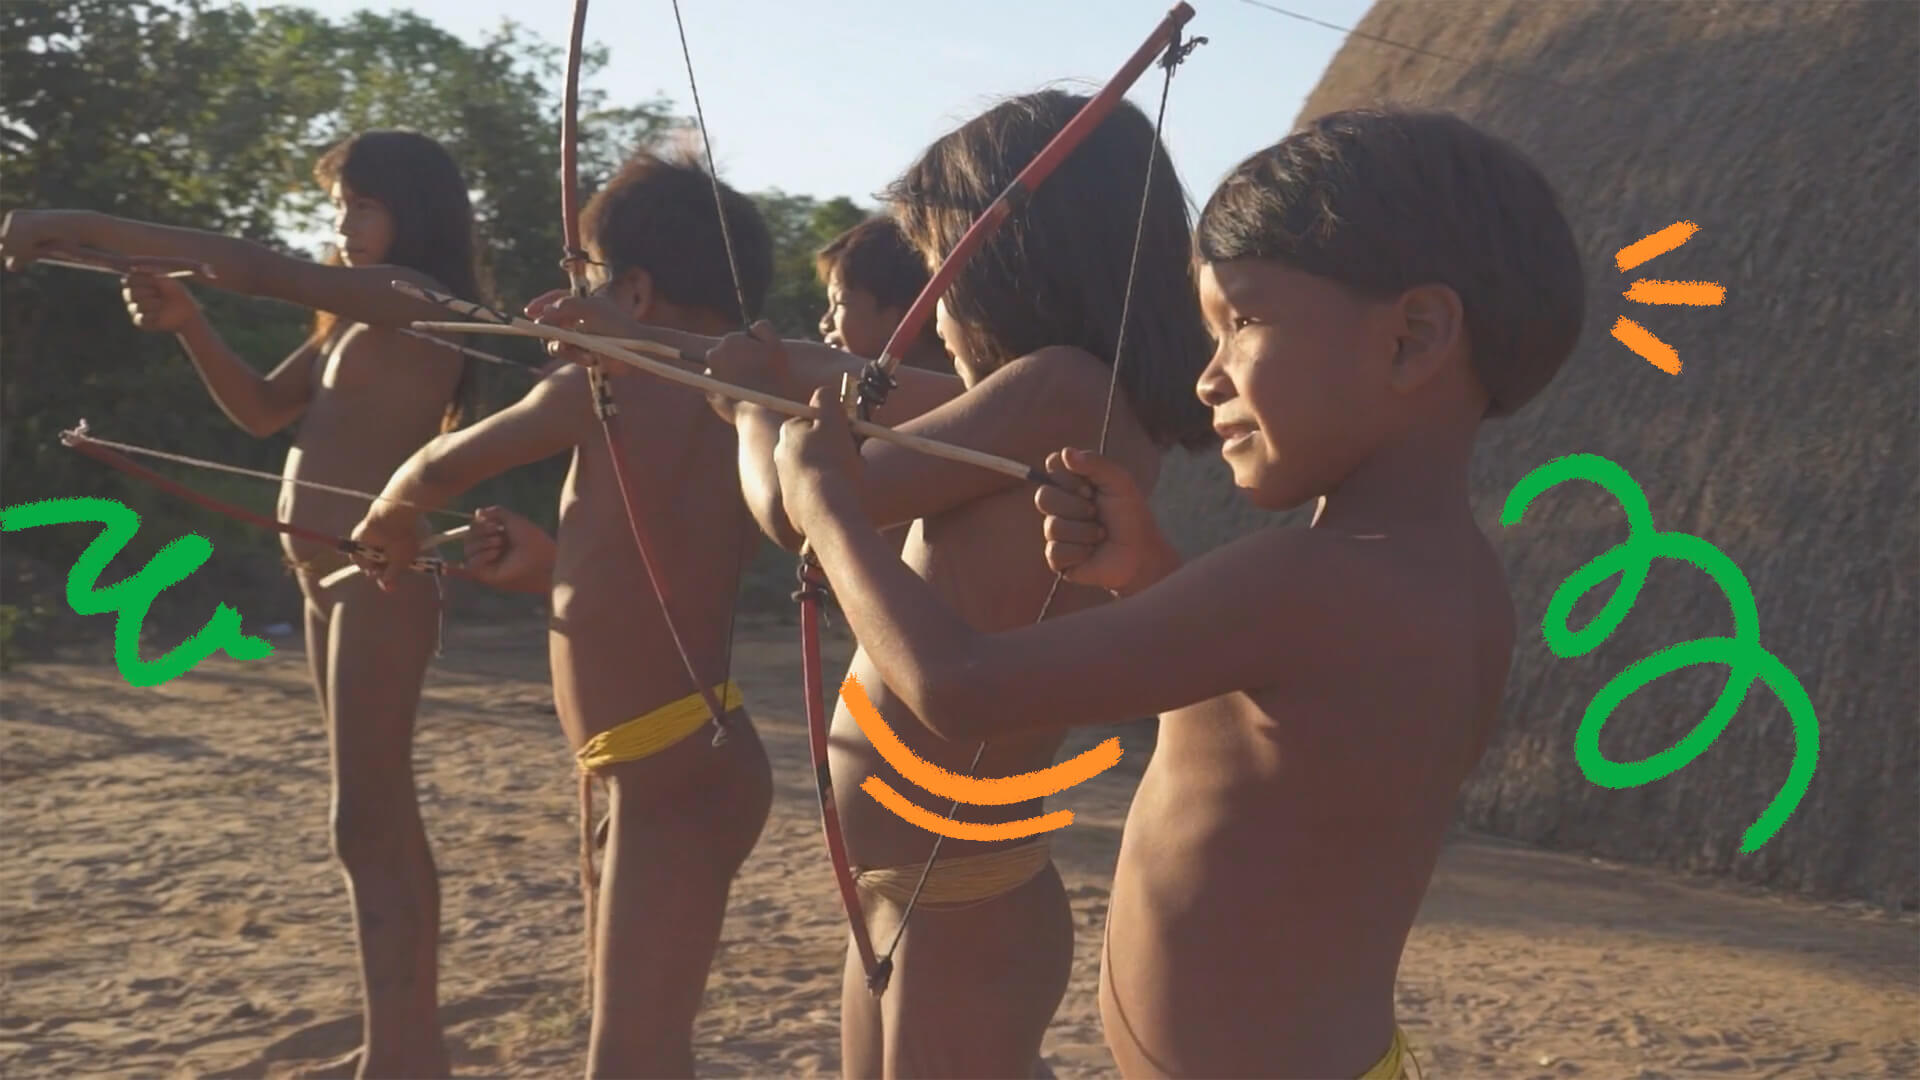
(981, 791)
(1654, 245)
(1696, 293)
(1642, 341)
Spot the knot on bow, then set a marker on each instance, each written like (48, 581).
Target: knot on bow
(875, 384)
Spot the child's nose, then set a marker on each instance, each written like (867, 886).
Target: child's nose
(1214, 384)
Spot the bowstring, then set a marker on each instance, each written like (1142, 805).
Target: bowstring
(713, 174)
(237, 470)
(740, 298)
(1176, 52)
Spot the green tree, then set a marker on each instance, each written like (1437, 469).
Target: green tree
(211, 115)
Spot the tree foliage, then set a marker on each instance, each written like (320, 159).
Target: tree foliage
(209, 115)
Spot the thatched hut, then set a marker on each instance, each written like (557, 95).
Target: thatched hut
(1787, 132)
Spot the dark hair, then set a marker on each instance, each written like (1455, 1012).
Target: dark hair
(1056, 271)
(416, 180)
(658, 215)
(1383, 200)
(874, 257)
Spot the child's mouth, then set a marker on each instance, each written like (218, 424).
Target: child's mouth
(1233, 436)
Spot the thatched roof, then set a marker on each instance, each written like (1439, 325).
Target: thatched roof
(1787, 132)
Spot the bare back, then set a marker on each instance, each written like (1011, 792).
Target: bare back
(1281, 841)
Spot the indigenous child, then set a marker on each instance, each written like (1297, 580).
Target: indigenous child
(1377, 284)
(685, 812)
(365, 397)
(1032, 324)
(872, 276)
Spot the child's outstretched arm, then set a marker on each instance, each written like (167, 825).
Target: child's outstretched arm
(808, 364)
(257, 404)
(544, 423)
(1242, 618)
(358, 294)
(1021, 411)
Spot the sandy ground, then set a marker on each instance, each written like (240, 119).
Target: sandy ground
(170, 909)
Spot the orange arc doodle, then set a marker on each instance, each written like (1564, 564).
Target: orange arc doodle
(962, 830)
(1654, 245)
(981, 791)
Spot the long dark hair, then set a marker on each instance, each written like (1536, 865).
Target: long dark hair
(1056, 272)
(417, 181)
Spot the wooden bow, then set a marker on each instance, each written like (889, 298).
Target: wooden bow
(575, 261)
(1164, 42)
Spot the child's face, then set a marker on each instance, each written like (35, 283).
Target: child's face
(1297, 383)
(362, 226)
(855, 321)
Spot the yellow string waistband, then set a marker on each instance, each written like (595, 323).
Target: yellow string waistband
(645, 736)
(960, 881)
(1393, 1064)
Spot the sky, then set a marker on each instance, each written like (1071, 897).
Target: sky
(836, 97)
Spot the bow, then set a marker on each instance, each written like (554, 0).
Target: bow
(114, 455)
(877, 379)
(574, 260)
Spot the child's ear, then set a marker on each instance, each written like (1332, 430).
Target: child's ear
(633, 291)
(1432, 326)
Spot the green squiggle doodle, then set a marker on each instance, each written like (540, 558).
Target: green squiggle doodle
(1745, 659)
(131, 598)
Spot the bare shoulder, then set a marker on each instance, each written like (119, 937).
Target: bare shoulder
(566, 391)
(1025, 409)
(568, 380)
(1058, 377)
(1438, 590)
(1356, 576)
(1356, 599)
(1049, 398)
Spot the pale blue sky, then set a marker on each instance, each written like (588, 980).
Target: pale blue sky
(835, 97)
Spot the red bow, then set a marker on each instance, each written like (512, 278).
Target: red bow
(875, 382)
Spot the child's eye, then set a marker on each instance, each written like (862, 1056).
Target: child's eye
(1241, 322)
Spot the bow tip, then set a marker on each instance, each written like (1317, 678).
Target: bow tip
(882, 974)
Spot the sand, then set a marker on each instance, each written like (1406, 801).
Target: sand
(170, 908)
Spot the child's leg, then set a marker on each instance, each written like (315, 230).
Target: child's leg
(682, 823)
(319, 637)
(974, 989)
(380, 646)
